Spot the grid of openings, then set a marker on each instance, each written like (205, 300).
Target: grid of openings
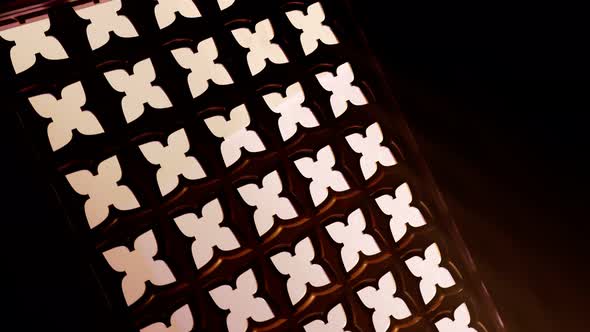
(233, 165)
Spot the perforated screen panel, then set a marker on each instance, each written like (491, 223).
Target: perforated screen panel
(238, 165)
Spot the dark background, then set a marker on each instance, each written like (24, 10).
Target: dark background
(497, 97)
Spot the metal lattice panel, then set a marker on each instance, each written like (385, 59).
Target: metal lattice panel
(239, 165)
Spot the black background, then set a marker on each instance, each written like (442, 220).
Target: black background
(497, 97)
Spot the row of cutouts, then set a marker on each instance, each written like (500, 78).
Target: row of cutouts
(31, 38)
(103, 188)
(69, 113)
(302, 273)
(336, 319)
(208, 234)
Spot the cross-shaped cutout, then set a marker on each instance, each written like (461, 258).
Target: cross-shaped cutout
(342, 89)
(66, 114)
(384, 303)
(336, 322)
(313, 28)
(102, 191)
(180, 321)
(291, 110)
(430, 272)
(260, 46)
(400, 211)
(104, 19)
(172, 160)
(138, 89)
(460, 324)
(166, 10)
(353, 238)
(202, 66)
(31, 39)
(371, 150)
(267, 201)
(235, 134)
(300, 269)
(241, 303)
(139, 266)
(322, 174)
(207, 232)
